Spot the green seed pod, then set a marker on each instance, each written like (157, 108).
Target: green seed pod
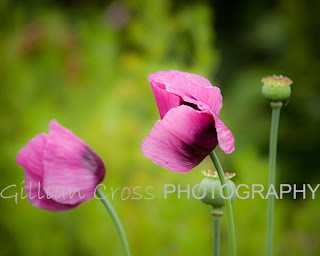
(276, 88)
(211, 191)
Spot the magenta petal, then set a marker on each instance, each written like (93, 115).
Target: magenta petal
(196, 79)
(38, 198)
(71, 169)
(30, 156)
(164, 99)
(185, 84)
(225, 136)
(181, 140)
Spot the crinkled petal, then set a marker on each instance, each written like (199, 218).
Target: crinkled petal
(181, 140)
(30, 156)
(225, 136)
(185, 84)
(164, 99)
(38, 198)
(196, 79)
(71, 169)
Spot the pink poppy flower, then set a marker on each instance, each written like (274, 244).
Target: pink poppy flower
(189, 128)
(61, 171)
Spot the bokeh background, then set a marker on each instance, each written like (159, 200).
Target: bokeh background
(86, 63)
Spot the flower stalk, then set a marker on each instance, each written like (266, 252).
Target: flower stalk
(216, 220)
(276, 107)
(231, 229)
(116, 221)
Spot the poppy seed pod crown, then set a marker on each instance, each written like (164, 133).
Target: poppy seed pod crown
(276, 88)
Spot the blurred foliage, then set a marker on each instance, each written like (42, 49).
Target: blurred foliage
(86, 64)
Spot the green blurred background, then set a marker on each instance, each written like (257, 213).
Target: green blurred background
(86, 65)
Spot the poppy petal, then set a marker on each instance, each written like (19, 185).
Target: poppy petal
(181, 140)
(164, 99)
(31, 155)
(30, 158)
(225, 137)
(71, 169)
(185, 84)
(38, 198)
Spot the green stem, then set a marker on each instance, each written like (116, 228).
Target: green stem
(231, 230)
(216, 234)
(116, 221)
(276, 107)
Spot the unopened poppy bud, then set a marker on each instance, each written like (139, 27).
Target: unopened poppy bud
(214, 194)
(276, 88)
